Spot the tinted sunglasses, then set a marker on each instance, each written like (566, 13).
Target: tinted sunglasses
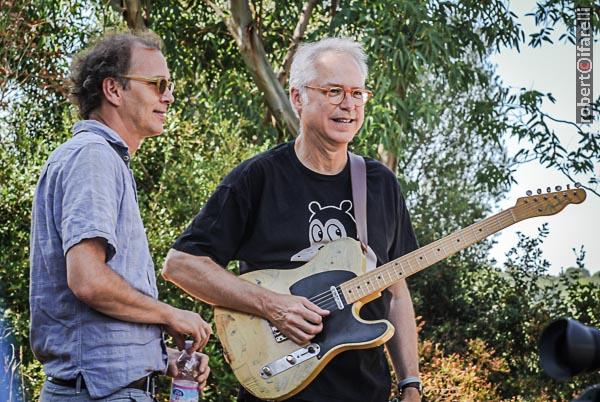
(162, 83)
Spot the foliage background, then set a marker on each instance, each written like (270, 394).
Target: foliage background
(440, 118)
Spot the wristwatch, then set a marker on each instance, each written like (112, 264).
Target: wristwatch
(410, 382)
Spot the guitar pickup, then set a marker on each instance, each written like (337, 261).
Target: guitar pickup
(289, 361)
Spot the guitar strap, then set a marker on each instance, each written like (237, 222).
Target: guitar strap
(358, 178)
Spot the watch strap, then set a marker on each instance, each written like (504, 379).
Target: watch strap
(410, 382)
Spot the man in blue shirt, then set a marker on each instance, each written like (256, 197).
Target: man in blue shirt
(96, 323)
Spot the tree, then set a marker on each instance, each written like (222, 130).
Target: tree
(438, 119)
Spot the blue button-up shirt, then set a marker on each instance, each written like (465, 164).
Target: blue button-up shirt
(86, 190)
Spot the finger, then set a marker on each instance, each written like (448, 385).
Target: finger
(200, 336)
(201, 386)
(291, 336)
(204, 337)
(314, 308)
(172, 368)
(207, 332)
(196, 345)
(179, 340)
(311, 316)
(202, 378)
(298, 336)
(306, 327)
(203, 367)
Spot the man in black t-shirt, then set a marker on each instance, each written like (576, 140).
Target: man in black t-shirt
(279, 208)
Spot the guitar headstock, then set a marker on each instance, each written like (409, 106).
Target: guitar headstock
(548, 203)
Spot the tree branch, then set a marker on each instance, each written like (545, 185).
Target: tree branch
(561, 121)
(297, 37)
(132, 11)
(242, 27)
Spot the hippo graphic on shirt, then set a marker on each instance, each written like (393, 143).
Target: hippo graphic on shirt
(329, 223)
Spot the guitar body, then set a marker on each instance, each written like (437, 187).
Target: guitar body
(250, 343)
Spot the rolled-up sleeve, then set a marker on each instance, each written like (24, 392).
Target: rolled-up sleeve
(92, 190)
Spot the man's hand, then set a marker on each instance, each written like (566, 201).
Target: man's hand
(181, 323)
(296, 317)
(204, 370)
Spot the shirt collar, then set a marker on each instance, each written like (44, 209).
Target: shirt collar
(100, 129)
(110, 135)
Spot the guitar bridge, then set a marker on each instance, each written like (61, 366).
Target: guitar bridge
(289, 361)
(279, 337)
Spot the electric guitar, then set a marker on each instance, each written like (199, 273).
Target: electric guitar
(272, 367)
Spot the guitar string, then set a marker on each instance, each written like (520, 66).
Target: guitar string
(328, 306)
(327, 296)
(493, 223)
(327, 293)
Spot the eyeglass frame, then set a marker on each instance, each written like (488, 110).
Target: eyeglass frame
(153, 80)
(346, 90)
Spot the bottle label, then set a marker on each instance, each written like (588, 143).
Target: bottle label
(183, 393)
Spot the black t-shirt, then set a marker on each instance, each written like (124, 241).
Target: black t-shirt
(273, 212)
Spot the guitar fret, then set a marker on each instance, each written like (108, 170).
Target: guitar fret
(473, 234)
(369, 286)
(419, 260)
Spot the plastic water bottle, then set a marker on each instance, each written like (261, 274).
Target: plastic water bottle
(184, 387)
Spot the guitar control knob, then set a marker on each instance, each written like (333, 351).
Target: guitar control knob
(311, 349)
(266, 371)
(290, 359)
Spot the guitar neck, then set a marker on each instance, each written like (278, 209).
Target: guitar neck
(386, 275)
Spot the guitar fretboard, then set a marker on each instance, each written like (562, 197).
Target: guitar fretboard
(381, 278)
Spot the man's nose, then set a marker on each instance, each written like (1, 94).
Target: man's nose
(168, 97)
(348, 102)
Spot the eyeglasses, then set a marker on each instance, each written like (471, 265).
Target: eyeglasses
(162, 83)
(336, 95)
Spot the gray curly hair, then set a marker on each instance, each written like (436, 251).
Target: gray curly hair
(110, 56)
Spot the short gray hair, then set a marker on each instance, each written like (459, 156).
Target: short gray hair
(303, 71)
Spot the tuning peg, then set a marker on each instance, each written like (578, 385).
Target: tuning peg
(577, 184)
(558, 188)
(539, 191)
(568, 186)
(529, 192)
(548, 189)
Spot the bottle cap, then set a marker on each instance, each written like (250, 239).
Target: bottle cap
(188, 344)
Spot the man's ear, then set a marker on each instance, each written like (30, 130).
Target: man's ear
(113, 91)
(296, 99)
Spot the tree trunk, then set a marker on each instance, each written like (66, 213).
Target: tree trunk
(133, 12)
(242, 28)
(388, 158)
